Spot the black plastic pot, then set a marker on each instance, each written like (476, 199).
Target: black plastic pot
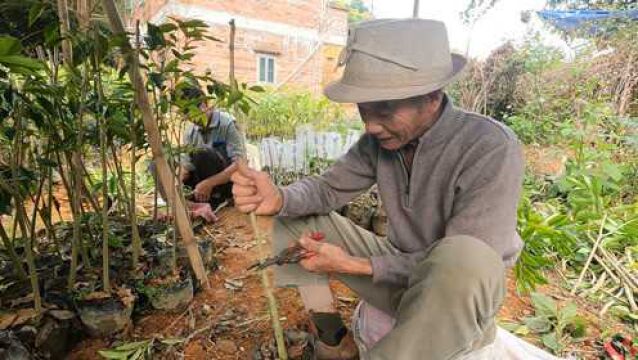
(103, 317)
(173, 296)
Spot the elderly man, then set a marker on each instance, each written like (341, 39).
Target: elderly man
(449, 180)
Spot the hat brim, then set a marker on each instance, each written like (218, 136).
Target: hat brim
(339, 92)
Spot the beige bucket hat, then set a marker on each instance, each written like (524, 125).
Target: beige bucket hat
(389, 59)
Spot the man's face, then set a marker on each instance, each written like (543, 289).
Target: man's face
(397, 122)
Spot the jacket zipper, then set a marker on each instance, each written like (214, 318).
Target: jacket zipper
(406, 175)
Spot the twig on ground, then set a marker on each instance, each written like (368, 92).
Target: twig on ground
(630, 297)
(607, 269)
(599, 283)
(606, 307)
(178, 318)
(248, 322)
(620, 270)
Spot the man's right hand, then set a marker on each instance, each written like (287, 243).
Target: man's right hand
(255, 191)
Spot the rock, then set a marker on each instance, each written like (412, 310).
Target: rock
(226, 346)
(11, 348)
(173, 296)
(105, 316)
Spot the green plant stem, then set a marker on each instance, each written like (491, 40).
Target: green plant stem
(154, 139)
(8, 245)
(130, 205)
(33, 272)
(135, 239)
(105, 208)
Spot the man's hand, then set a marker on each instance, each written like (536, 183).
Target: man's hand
(328, 258)
(203, 190)
(254, 191)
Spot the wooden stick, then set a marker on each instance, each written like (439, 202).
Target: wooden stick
(591, 255)
(265, 282)
(272, 302)
(630, 297)
(622, 273)
(599, 283)
(607, 269)
(163, 170)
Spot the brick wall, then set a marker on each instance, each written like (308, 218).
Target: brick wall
(290, 31)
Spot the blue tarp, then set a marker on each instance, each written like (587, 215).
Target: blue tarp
(569, 20)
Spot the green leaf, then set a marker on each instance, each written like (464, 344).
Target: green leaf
(18, 61)
(538, 324)
(167, 27)
(544, 305)
(9, 45)
(155, 37)
(114, 354)
(133, 345)
(612, 170)
(192, 23)
(35, 12)
(172, 341)
(551, 342)
(568, 313)
(256, 88)
(138, 354)
(522, 330)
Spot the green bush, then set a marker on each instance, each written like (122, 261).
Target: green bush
(279, 113)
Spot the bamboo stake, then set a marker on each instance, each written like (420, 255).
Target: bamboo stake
(163, 169)
(265, 282)
(591, 255)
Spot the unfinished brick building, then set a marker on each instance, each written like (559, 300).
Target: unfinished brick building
(278, 42)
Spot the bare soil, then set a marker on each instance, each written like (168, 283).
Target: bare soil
(226, 322)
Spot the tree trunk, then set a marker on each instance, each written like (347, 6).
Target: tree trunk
(166, 177)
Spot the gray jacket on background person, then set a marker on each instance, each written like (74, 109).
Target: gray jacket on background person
(220, 134)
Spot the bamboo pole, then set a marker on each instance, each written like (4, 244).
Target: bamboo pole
(265, 282)
(163, 170)
(272, 302)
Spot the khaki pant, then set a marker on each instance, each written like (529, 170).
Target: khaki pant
(447, 310)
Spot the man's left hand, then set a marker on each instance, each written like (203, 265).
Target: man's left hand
(328, 258)
(203, 190)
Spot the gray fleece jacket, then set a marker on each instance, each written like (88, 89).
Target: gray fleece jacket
(465, 180)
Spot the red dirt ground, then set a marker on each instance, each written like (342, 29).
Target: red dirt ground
(250, 325)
